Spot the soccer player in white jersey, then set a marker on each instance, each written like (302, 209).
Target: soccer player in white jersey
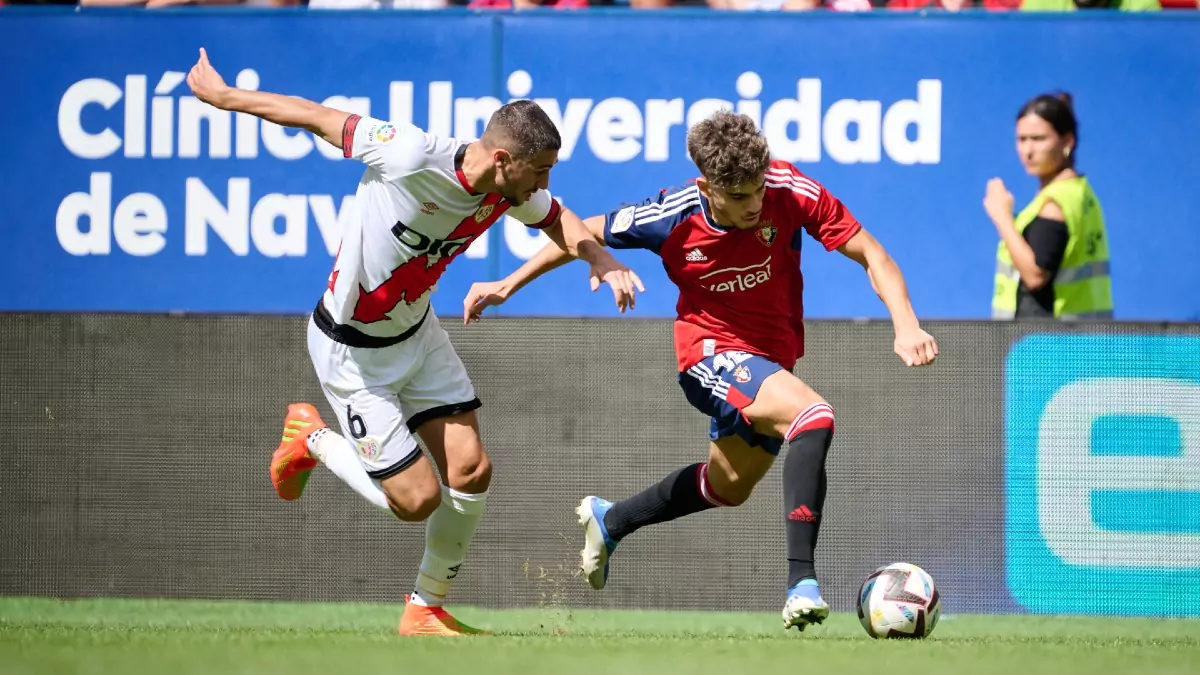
(386, 366)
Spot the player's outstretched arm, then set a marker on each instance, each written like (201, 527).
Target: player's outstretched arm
(583, 241)
(913, 345)
(576, 238)
(552, 256)
(289, 111)
(486, 294)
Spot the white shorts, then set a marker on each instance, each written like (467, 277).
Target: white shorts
(381, 396)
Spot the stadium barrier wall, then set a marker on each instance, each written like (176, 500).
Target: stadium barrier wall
(142, 199)
(1035, 467)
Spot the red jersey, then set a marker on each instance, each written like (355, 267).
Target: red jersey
(738, 289)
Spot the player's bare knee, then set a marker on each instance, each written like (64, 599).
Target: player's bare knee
(737, 492)
(415, 510)
(725, 487)
(737, 498)
(473, 475)
(417, 503)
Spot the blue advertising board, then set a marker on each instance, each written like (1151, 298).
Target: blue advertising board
(124, 193)
(1103, 474)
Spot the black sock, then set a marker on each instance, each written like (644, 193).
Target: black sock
(675, 496)
(804, 498)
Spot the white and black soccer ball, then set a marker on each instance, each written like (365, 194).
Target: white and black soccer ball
(899, 601)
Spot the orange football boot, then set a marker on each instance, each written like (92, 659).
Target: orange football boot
(292, 462)
(421, 620)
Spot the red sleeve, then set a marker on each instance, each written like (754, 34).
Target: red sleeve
(832, 223)
(825, 217)
(348, 128)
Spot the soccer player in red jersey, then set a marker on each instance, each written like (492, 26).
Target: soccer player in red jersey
(731, 242)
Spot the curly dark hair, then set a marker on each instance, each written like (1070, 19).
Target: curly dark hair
(729, 149)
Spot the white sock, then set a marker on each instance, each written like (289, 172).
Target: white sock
(336, 453)
(448, 535)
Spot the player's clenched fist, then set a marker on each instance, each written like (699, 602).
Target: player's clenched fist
(206, 83)
(915, 347)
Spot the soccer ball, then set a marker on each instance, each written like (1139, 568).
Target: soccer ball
(899, 601)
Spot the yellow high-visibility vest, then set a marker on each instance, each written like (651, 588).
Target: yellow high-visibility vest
(1082, 287)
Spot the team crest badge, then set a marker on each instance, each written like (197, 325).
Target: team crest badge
(368, 448)
(483, 212)
(741, 374)
(766, 234)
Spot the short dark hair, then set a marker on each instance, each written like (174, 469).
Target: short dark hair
(729, 149)
(522, 128)
(1058, 111)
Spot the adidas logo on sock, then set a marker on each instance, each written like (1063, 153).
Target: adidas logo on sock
(803, 514)
(695, 256)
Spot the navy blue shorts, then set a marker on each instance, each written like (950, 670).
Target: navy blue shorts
(721, 386)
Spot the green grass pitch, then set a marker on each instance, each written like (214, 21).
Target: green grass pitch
(168, 637)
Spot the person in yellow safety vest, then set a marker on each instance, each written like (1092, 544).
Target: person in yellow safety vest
(1052, 261)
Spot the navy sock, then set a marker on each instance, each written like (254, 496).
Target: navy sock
(679, 494)
(804, 487)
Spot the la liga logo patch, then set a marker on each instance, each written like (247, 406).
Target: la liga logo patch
(385, 133)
